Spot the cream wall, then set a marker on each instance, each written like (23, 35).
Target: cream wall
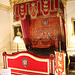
(5, 2)
(4, 34)
(6, 31)
(70, 14)
(14, 45)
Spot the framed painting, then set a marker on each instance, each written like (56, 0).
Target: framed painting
(73, 23)
(17, 30)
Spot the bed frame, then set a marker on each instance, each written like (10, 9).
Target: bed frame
(26, 63)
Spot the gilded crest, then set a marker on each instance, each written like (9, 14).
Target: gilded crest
(25, 62)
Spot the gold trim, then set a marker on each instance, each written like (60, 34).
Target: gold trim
(72, 71)
(68, 64)
(47, 16)
(13, 2)
(29, 70)
(64, 2)
(64, 63)
(68, 69)
(5, 7)
(26, 54)
(18, 73)
(73, 26)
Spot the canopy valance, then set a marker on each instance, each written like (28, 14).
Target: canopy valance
(36, 8)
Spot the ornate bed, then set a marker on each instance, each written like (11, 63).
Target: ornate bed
(43, 27)
(22, 63)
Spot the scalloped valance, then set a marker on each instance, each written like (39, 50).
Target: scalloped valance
(36, 9)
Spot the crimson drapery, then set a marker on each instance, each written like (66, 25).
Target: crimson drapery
(26, 29)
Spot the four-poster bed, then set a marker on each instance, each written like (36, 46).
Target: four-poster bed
(43, 28)
(42, 22)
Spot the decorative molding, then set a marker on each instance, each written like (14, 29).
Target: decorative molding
(5, 7)
(64, 2)
(70, 0)
(12, 2)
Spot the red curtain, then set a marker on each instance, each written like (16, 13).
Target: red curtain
(26, 29)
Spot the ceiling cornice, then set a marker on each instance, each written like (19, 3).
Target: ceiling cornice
(12, 2)
(5, 7)
(70, 0)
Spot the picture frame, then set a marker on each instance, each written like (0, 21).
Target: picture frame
(73, 24)
(17, 31)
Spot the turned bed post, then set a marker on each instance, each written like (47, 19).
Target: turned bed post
(52, 57)
(4, 60)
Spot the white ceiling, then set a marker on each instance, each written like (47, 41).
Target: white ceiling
(5, 2)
